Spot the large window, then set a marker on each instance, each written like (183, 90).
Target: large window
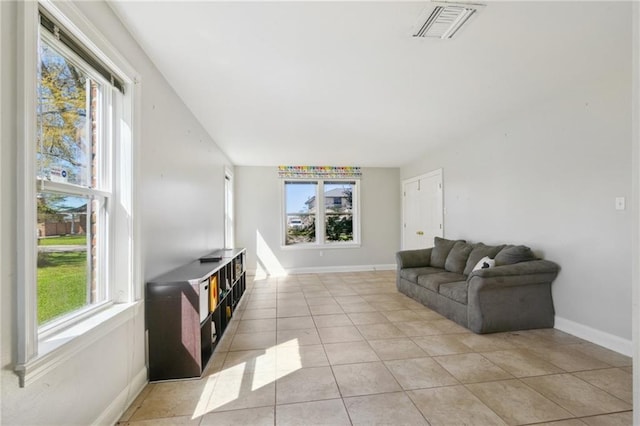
(320, 213)
(79, 259)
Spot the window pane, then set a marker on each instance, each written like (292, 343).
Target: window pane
(338, 203)
(300, 199)
(67, 99)
(66, 255)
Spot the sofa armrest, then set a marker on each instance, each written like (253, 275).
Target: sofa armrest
(413, 258)
(511, 297)
(517, 273)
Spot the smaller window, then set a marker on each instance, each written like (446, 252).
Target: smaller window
(228, 210)
(320, 212)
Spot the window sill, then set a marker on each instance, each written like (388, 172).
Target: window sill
(59, 347)
(312, 246)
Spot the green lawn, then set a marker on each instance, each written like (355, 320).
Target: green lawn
(65, 240)
(62, 281)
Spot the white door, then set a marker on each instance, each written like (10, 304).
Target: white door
(422, 210)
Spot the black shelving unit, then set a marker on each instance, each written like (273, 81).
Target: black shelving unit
(187, 312)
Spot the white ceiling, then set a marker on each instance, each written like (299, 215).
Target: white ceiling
(344, 83)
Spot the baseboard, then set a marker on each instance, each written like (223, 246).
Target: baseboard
(349, 268)
(332, 269)
(116, 409)
(609, 341)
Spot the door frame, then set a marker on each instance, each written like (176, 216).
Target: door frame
(437, 172)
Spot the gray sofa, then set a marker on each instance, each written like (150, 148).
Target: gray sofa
(515, 294)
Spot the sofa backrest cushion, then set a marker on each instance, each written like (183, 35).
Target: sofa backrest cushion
(479, 251)
(514, 254)
(441, 250)
(457, 257)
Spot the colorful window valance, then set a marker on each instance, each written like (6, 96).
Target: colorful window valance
(319, 172)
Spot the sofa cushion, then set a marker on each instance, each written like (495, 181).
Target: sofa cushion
(479, 251)
(441, 250)
(457, 257)
(412, 274)
(433, 281)
(514, 254)
(413, 258)
(455, 291)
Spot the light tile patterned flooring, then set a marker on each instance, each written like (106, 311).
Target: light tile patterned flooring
(349, 349)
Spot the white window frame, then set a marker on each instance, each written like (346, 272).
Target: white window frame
(320, 242)
(38, 352)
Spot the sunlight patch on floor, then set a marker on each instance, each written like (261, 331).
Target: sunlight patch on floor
(203, 401)
(246, 378)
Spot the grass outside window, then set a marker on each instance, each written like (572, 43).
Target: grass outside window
(62, 277)
(65, 240)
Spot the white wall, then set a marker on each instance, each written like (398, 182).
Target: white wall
(635, 266)
(181, 206)
(258, 224)
(547, 177)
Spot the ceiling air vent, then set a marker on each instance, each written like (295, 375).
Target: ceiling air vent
(444, 20)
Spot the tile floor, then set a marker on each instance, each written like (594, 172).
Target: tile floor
(349, 349)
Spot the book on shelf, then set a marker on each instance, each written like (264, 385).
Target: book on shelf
(213, 292)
